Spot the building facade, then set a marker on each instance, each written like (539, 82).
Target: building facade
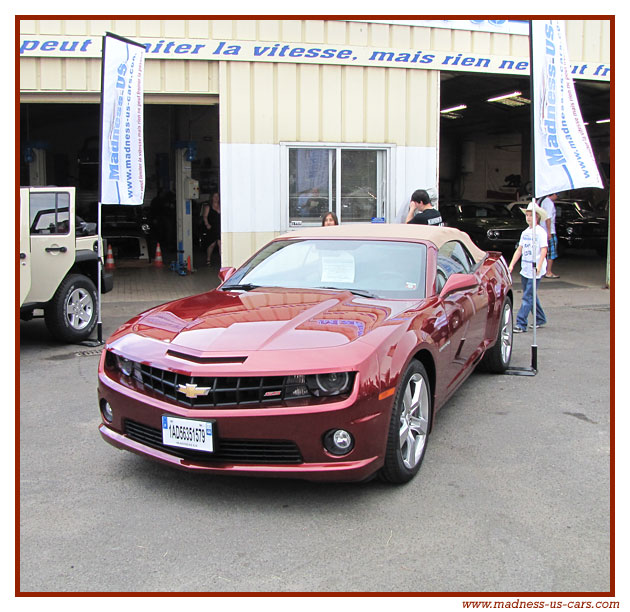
(291, 118)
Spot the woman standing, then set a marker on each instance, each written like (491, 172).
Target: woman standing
(211, 218)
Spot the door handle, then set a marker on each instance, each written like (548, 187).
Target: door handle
(61, 249)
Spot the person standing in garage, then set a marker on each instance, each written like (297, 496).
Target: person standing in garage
(548, 204)
(211, 220)
(421, 201)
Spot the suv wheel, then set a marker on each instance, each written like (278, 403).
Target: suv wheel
(71, 314)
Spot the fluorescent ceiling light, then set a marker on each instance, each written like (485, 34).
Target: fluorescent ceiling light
(504, 96)
(603, 121)
(512, 101)
(454, 108)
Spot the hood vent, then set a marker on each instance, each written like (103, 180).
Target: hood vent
(205, 360)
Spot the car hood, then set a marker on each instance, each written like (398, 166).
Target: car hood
(265, 319)
(495, 223)
(585, 221)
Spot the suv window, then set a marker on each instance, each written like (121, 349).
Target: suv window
(49, 213)
(453, 258)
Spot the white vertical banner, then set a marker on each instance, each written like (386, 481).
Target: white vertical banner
(563, 158)
(122, 178)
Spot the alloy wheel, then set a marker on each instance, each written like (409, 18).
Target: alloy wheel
(414, 421)
(506, 333)
(79, 308)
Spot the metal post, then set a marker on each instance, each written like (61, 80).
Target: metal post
(533, 369)
(99, 250)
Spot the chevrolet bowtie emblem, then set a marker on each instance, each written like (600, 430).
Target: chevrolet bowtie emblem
(193, 391)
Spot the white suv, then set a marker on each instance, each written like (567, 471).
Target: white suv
(58, 263)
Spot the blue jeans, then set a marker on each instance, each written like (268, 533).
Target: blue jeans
(527, 305)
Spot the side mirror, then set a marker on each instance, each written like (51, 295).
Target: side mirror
(458, 282)
(225, 273)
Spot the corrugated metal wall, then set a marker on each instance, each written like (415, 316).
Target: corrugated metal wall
(271, 103)
(588, 41)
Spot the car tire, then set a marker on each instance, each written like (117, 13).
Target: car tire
(497, 358)
(71, 314)
(409, 426)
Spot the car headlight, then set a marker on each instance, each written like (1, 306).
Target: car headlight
(125, 366)
(318, 385)
(329, 384)
(492, 234)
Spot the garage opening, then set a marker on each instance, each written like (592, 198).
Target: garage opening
(485, 144)
(60, 146)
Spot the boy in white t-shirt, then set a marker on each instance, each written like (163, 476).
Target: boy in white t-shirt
(525, 249)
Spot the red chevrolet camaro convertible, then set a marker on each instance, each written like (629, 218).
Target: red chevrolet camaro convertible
(326, 356)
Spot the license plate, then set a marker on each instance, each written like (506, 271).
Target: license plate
(187, 433)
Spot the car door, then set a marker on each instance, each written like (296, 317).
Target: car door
(52, 239)
(466, 310)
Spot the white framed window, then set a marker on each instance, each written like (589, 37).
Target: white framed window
(353, 181)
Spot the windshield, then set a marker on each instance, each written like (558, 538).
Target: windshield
(374, 268)
(568, 212)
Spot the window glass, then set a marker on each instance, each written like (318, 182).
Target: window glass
(567, 212)
(475, 211)
(453, 258)
(50, 213)
(311, 185)
(359, 185)
(316, 175)
(379, 268)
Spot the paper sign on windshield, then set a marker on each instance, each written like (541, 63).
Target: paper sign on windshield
(338, 269)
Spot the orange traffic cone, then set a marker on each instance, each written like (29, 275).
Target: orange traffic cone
(109, 262)
(157, 261)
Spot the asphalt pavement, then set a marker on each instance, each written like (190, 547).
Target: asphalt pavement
(513, 495)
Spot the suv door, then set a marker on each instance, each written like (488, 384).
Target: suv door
(25, 247)
(52, 239)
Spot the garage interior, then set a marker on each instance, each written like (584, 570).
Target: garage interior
(484, 151)
(485, 148)
(67, 136)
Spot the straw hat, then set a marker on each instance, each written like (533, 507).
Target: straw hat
(541, 212)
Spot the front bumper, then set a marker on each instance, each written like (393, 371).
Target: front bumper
(584, 242)
(137, 427)
(107, 281)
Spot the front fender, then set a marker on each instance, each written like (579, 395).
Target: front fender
(395, 347)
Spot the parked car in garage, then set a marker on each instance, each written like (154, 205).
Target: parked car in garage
(491, 225)
(127, 230)
(325, 356)
(578, 226)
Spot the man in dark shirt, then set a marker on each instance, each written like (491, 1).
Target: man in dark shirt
(421, 201)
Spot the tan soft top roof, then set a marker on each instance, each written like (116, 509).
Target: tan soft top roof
(391, 231)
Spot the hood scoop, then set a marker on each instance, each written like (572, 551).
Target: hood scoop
(205, 360)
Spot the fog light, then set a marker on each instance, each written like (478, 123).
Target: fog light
(338, 442)
(106, 411)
